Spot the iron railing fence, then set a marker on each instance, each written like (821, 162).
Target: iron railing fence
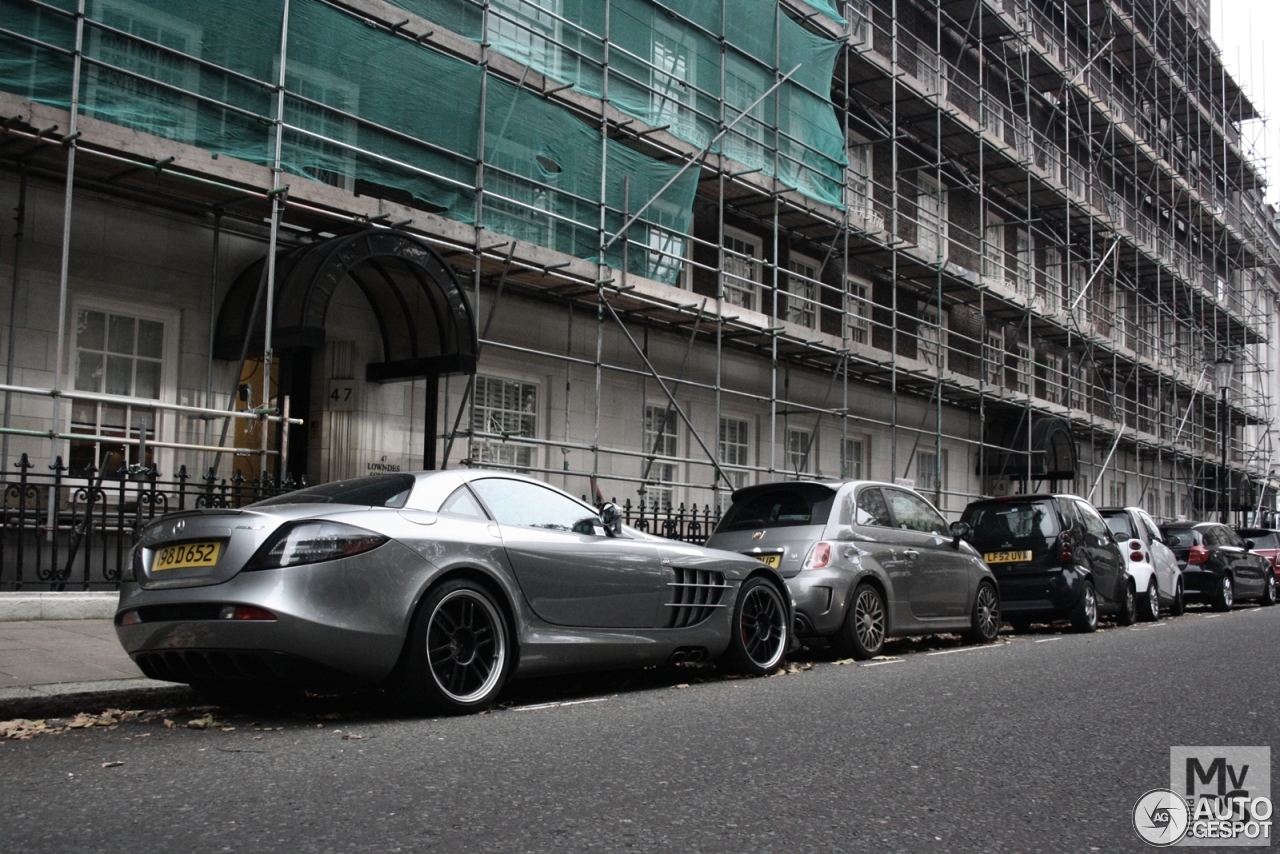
(64, 530)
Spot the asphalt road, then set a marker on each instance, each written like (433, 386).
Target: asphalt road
(1042, 742)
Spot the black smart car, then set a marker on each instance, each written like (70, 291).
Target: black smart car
(1053, 557)
(1218, 566)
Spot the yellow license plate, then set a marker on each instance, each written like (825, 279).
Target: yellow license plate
(186, 555)
(769, 560)
(1006, 557)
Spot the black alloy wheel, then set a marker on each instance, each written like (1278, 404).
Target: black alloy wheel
(986, 615)
(1150, 611)
(459, 653)
(1224, 595)
(761, 629)
(865, 624)
(1084, 614)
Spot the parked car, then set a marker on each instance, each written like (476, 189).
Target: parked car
(864, 561)
(1217, 566)
(439, 584)
(1266, 542)
(1054, 557)
(1151, 565)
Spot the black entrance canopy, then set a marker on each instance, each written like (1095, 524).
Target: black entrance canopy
(1052, 449)
(424, 317)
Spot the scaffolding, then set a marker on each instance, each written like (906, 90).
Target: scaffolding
(911, 228)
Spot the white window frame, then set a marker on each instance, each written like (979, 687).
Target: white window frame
(993, 356)
(1025, 354)
(931, 475)
(931, 336)
(163, 426)
(733, 451)
(931, 217)
(802, 448)
(659, 487)
(1025, 253)
(744, 82)
(858, 15)
(509, 453)
(1053, 278)
(534, 27)
(803, 290)
(1053, 385)
(993, 260)
(993, 113)
(324, 127)
(742, 271)
(859, 314)
(859, 181)
(854, 459)
(673, 81)
(1118, 491)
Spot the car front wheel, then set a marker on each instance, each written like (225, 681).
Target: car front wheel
(863, 632)
(760, 629)
(1151, 602)
(1084, 616)
(459, 651)
(986, 615)
(1269, 589)
(1224, 595)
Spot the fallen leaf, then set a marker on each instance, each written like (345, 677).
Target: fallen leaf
(112, 764)
(351, 736)
(846, 661)
(683, 685)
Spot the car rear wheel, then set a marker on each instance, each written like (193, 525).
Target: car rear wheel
(760, 629)
(1179, 605)
(1269, 588)
(1224, 595)
(863, 631)
(1084, 615)
(1128, 606)
(459, 652)
(986, 615)
(1151, 602)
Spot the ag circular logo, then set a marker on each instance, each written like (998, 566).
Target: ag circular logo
(1160, 817)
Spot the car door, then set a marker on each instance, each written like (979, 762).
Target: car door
(1104, 555)
(939, 575)
(1162, 557)
(1247, 567)
(876, 540)
(570, 571)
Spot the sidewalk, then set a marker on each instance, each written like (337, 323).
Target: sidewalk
(50, 668)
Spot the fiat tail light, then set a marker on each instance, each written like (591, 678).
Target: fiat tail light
(819, 556)
(1197, 555)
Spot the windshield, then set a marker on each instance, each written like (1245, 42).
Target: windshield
(1012, 521)
(379, 490)
(784, 506)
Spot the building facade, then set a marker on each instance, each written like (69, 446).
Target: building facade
(658, 248)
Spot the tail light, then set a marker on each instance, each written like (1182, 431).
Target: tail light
(1197, 555)
(819, 556)
(1064, 548)
(313, 542)
(1135, 551)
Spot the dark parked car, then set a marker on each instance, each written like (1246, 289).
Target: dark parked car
(864, 561)
(1217, 566)
(1054, 557)
(440, 585)
(1266, 542)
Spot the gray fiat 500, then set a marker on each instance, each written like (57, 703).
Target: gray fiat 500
(864, 561)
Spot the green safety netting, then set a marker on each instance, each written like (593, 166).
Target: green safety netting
(689, 66)
(363, 109)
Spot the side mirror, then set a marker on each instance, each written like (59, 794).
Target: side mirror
(1117, 538)
(959, 531)
(1249, 544)
(611, 518)
(1173, 541)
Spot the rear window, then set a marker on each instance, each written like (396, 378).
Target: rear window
(1262, 539)
(780, 507)
(1012, 521)
(379, 490)
(1119, 524)
(1186, 536)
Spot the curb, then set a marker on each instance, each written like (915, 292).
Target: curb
(46, 605)
(66, 699)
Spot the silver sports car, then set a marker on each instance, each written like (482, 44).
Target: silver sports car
(440, 585)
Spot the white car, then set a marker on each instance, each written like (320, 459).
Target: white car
(1151, 565)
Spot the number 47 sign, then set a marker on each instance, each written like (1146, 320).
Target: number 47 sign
(343, 395)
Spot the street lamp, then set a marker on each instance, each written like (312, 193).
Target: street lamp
(1223, 368)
